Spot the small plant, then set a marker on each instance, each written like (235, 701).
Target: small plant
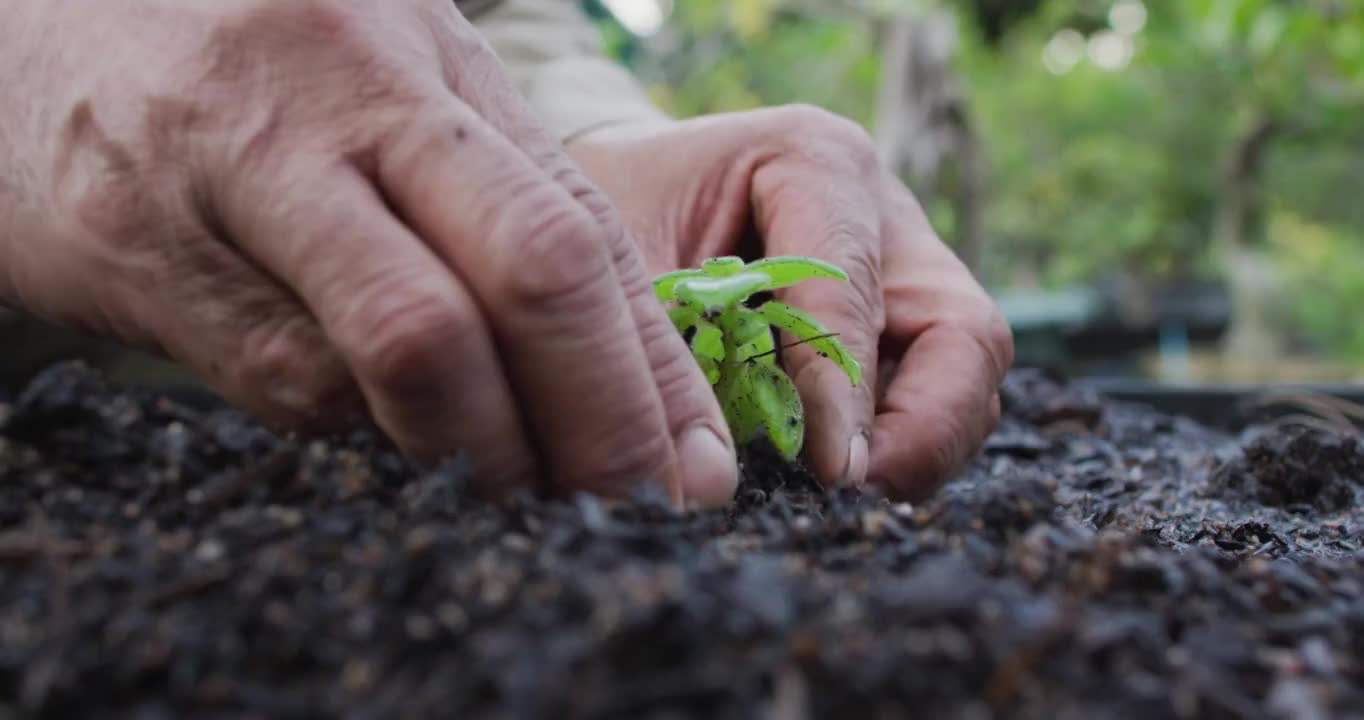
(734, 344)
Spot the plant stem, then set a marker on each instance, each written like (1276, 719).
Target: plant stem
(728, 324)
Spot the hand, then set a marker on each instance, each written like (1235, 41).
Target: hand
(809, 183)
(322, 205)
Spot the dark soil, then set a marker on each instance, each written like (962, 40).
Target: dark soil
(1097, 561)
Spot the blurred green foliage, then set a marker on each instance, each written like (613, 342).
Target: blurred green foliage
(1092, 170)
(1324, 267)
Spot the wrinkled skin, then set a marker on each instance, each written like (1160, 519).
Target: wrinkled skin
(336, 208)
(328, 208)
(809, 183)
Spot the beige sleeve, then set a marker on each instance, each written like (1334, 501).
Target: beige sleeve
(555, 56)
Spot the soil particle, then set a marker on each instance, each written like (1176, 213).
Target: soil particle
(1299, 469)
(1097, 560)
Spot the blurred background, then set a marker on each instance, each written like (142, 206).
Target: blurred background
(1166, 197)
(1157, 192)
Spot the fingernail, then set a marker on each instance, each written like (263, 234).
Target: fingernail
(858, 456)
(709, 471)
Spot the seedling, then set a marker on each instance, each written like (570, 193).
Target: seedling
(734, 343)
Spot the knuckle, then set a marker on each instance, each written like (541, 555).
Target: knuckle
(605, 223)
(990, 330)
(328, 20)
(271, 350)
(934, 457)
(999, 335)
(852, 239)
(805, 118)
(615, 466)
(866, 324)
(118, 217)
(409, 145)
(404, 340)
(947, 439)
(674, 369)
(560, 259)
(831, 135)
(851, 246)
(583, 190)
(972, 315)
(303, 381)
(320, 32)
(631, 271)
(273, 59)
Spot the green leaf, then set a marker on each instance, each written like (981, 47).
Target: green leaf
(747, 325)
(665, 284)
(778, 401)
(804, 326)
(709, 341)
(760, 346)
(742, 413)
(710, 367)
(763, 396)
(684, 318)
(722, 266)
(713, 295)
(788, 270)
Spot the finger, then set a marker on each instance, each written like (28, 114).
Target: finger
(411, 334)
(708, 469)
(705, 451)
(938, 409)
(953, 348)
(810, 211)
(241, 333)
(541, 270)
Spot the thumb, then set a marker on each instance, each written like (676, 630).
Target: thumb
(814, 209)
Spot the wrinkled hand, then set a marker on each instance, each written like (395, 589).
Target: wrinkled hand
(809, 183)
(332, 206)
